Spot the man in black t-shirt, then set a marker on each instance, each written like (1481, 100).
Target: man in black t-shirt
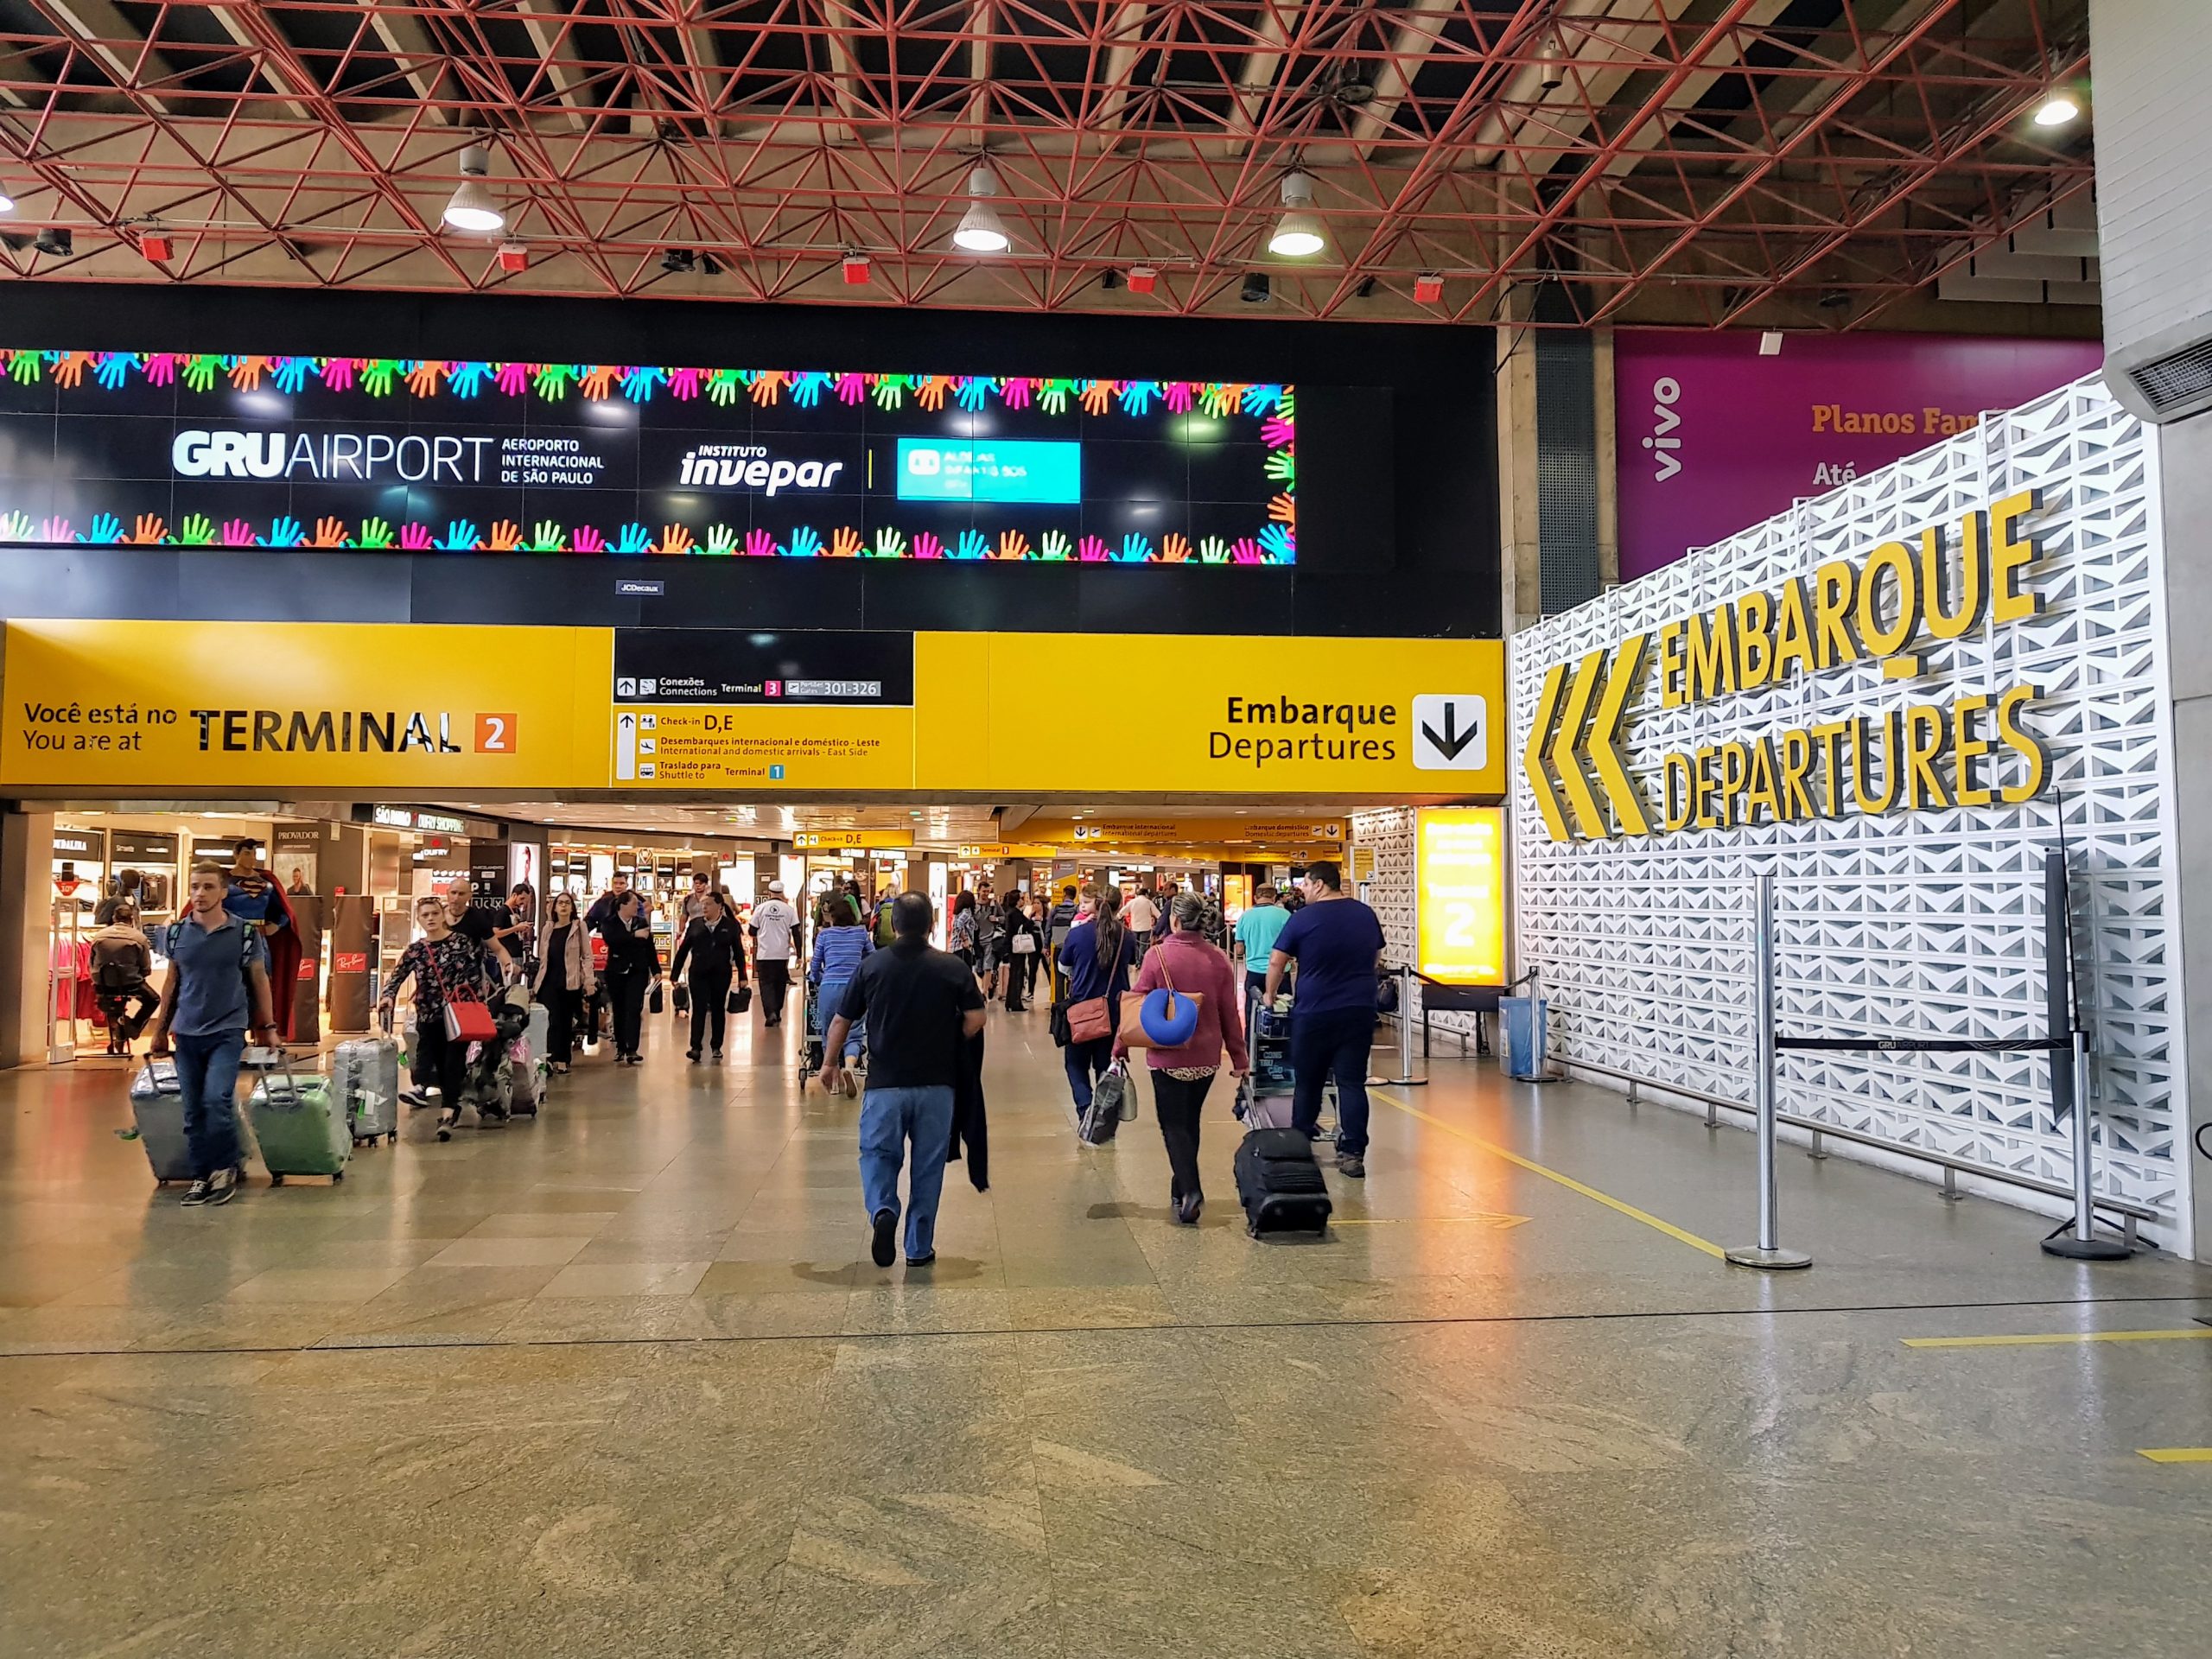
(922, 1004)
(481, 922)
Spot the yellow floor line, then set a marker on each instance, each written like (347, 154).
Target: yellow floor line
(1566, 1181)
(2178, 1454)
(2197, 1333)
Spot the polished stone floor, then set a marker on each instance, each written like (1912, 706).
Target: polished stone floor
(622, 1383)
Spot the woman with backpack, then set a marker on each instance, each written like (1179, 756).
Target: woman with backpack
(1189, 967)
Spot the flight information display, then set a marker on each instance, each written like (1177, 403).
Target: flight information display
(166, 448)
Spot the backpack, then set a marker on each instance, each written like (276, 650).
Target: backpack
(114, 966)
(248, 951)
(884, 935)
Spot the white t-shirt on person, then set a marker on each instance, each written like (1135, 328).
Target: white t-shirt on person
(774, 922)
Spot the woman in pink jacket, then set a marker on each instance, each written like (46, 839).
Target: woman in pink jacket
(1180, 1076)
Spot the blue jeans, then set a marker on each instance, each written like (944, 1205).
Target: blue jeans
(891, 1120)
(1086, 1062)
(1335, 1042)
(829, 999)
(207, 1078)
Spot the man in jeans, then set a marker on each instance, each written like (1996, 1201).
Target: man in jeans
(219, 979)
(1338, 944)
(922, 1004)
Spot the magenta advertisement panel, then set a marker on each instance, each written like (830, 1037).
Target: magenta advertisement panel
(1713, 437)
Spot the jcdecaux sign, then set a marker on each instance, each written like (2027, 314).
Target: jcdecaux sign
(1893, 605)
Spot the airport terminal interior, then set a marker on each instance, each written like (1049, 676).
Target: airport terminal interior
(1285, 830)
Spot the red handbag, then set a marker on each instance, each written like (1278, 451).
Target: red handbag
(465, 1022)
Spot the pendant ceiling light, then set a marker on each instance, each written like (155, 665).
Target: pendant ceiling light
(1298, 232)
(2056, 109)
(981, 230)
(471, 208)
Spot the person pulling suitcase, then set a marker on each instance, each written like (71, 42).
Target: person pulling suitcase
(217, 985)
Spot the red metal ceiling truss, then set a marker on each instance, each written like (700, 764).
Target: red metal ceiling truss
(1700, 161)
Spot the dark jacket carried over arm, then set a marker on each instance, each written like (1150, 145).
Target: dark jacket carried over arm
(969, 1127)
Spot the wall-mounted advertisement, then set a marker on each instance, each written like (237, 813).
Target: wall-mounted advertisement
(1460, 887)
(307, 453)
(1713, 437)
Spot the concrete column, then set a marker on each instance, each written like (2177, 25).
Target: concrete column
(1520, 564)
(2185, 474)
(1608, 494)
(26, 934)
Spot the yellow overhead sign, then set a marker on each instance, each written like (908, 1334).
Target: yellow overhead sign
(114, 706)
(852, 840)
(1116, 827)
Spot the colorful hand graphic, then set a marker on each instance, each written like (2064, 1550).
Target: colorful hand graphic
(760, 544)
(683, 384)
(1095, 396)
(467, 379)
(1016, 391)
(1279, 543)
(1283, 510)
(588, 540)
(548, 538)
(845, 542)
(674, 538)
(1091, 550)
(971, 392)
(552, 381)
(927, 546)
(851, 388)
(161, 368)
(633, 539)
(804, 544)
(1136, 549)
(338, 373)
(112, 368)
(376, 373)
(512, 378)
(930, 390)
(200, 370)
(1278, 433)
(1013, 544)
(415, 538)
(1218, 399)
(26, 368)
(505, 537)
(971, 545)
(107, 531)
(890, 390)
(1282, 465)
(722, 540)
(460, 536)
(198, 530)
(16, 527)
(284, 532)
(722, 387)
(1213, 551)
(806, 389)
(889, 544)
(422, 377)
(1054, 545)
(56, 529)
(767, 387)
(1137, 396)
(637, 383)
(69, 367)
(290, 373)
(596, 380)
(1178, 396)
(1053, 399)
(329, 532)
(246, 372)
(150, 531)
(1174, 549)
(375, 534)
(1260, 398)
(1244, 550)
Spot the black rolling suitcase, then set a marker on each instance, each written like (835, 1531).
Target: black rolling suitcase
(1280, 1183)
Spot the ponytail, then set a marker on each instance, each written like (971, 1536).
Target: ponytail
(1107, 947)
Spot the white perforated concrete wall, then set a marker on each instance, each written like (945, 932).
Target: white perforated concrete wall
(1922, 923)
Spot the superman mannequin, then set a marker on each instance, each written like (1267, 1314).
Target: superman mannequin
(257, 898)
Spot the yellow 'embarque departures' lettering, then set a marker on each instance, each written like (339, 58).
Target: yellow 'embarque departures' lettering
(1938, 585)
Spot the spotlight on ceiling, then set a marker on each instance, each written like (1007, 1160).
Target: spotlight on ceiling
(471, 208)
(1551, 68)
(2056, 109)
(1298, 232)
(7, 202)
(980, 231)
(56, 241)
(1256, 290)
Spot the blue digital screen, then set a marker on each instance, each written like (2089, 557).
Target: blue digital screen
(1002, 469)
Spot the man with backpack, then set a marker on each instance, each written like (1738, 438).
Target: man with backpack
(218, 984)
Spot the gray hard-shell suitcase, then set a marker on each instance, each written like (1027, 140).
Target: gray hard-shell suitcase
(365, 1077)
(157, 1107)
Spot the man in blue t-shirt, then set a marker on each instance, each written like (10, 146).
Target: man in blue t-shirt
(1338, 944)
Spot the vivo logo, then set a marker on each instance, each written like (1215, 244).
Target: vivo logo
(1665, 392)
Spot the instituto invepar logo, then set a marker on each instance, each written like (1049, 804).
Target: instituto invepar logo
(1886, 607)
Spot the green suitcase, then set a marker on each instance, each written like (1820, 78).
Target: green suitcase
(300, 1129)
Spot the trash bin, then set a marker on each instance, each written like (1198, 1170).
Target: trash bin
(1521, 1023)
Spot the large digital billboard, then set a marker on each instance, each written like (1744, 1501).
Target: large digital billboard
(147, 448)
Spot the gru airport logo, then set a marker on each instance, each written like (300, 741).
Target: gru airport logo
(1886, 608)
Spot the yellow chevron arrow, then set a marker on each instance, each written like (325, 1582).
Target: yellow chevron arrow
(1532, 758)
(1606, 752)
(1588, 676)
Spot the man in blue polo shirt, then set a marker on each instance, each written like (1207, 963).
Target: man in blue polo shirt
(218, 980)
(1338, 944)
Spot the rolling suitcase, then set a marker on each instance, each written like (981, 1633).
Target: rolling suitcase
(365, 1077)
(525, 1077)
(1280, 1183)
(541, 1032)
(301, 1129)
(157, 1107)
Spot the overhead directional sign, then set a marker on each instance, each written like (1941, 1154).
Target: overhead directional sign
(852, 840)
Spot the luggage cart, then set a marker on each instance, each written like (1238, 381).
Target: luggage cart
(1263, 1100)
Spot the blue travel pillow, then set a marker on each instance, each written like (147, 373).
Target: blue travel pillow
(1169, 1019)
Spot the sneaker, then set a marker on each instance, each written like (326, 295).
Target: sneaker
(222, 1187)
(1348, 1165)
(718, 1053)
(198, 1192)
(885, 1243)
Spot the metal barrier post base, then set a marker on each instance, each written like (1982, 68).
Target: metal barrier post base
(2093, 1248)
(1778, 1261)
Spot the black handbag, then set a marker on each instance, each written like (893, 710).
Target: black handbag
(656, 1002)
(1061, 1035)
(682, 999)
(741, 998)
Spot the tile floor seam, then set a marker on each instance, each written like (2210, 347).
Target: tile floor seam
(1445, 1321)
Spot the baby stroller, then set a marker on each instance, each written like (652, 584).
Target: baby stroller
(488, 1083)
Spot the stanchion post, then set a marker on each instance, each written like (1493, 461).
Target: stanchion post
(2070, 1078)
(1768, 1252)
(2079, 1242)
